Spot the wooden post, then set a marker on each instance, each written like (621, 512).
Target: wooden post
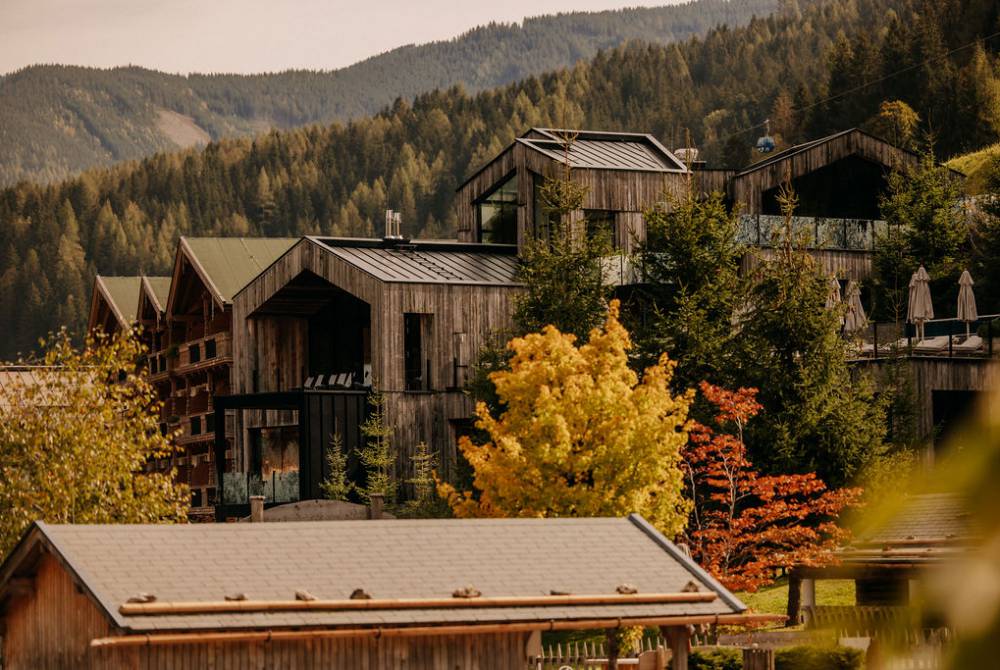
(375, 506)
(612, 635)
(256, 509)
(677, 637)
(794, 598)
(755, 658)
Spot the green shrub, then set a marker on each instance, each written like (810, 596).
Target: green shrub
(818, 658)
(721, 658)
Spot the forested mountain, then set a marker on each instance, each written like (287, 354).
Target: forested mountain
(57, 120)
(338, 179)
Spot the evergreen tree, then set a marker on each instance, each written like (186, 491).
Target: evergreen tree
(336, 486)
(818, 415)
(377, 455)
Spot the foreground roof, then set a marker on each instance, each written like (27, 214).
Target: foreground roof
(388, 559)
(421, 262)
(122, 295)
(227, 264)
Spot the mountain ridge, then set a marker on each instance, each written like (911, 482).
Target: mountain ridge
(56, 120)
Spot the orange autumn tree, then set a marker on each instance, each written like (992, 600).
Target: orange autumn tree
(745, 526)
(581, 434)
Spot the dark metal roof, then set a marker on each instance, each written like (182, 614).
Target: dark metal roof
(390, 559)
(594, 150)
(428, 262)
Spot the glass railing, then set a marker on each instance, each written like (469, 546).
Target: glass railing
(813, 232)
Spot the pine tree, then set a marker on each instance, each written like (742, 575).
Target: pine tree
(336, 486)
(377, 456)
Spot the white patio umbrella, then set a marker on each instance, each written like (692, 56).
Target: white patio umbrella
(855, 318)
(920, 308)
(833, 295)
(966, 301)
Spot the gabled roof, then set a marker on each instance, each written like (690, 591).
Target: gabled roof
(122, 296)
(597, 150)
(391, 560)
(157, 289)
(227, 264)
(421, 262)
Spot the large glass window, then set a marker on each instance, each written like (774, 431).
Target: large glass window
(497, 213)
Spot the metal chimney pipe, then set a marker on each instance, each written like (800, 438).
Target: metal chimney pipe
(256, 509)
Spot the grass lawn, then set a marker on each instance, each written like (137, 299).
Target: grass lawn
(774, 599)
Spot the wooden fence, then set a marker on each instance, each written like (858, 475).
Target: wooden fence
(648, 654)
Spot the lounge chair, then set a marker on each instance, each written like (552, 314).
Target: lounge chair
(971, 344)
(931, 345)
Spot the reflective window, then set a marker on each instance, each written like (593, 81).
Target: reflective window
(497, 214)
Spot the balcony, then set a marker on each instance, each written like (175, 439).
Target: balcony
(812, 232)
(204, 353)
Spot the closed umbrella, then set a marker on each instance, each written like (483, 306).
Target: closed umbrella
(855, 318)
(833, 295)
(966, 301)
(920, 309)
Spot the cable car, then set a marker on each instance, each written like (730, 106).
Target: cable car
(765, 144)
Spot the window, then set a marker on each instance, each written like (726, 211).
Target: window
(194, 353)
(196, 425)
(601, 226)
(209, 423)
(497, 213)
(209, 349)
(416, 337)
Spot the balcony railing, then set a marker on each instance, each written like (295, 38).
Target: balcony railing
(943, 338)
(204, 353)
(812, 232)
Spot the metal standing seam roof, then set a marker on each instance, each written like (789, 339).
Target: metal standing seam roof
(428, 263)
(230, 263)
(122, 294)
(595, 150)
(389, 559)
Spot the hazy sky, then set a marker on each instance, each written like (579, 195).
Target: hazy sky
(245, 35)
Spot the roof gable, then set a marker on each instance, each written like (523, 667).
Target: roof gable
(599, 150)
(121, 294)
(226, 264)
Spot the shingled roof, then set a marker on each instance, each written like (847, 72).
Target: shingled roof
(388, 559)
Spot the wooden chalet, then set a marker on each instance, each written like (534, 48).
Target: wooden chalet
(113, 303)
(888, 562)
(331, 318)
(421, 594)
(625, 173)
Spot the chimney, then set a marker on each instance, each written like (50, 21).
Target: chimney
(393, 225)
(256, 509)
(375, 503)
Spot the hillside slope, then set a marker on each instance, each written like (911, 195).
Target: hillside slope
(57, 120)
(338, 179)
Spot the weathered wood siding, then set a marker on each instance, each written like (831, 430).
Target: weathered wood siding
(856, 265)
(747, 189)
(623, 191)
(463, 317)
(50, 628)
(930, 374)
(484, 652)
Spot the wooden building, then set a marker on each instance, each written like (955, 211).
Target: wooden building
(387, 594)
(342, 315)
(625, 173)
(888, 563)
(112, 304)
(186, 322)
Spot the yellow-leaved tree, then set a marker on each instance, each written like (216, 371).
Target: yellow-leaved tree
(76, 431)
(581, 434)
